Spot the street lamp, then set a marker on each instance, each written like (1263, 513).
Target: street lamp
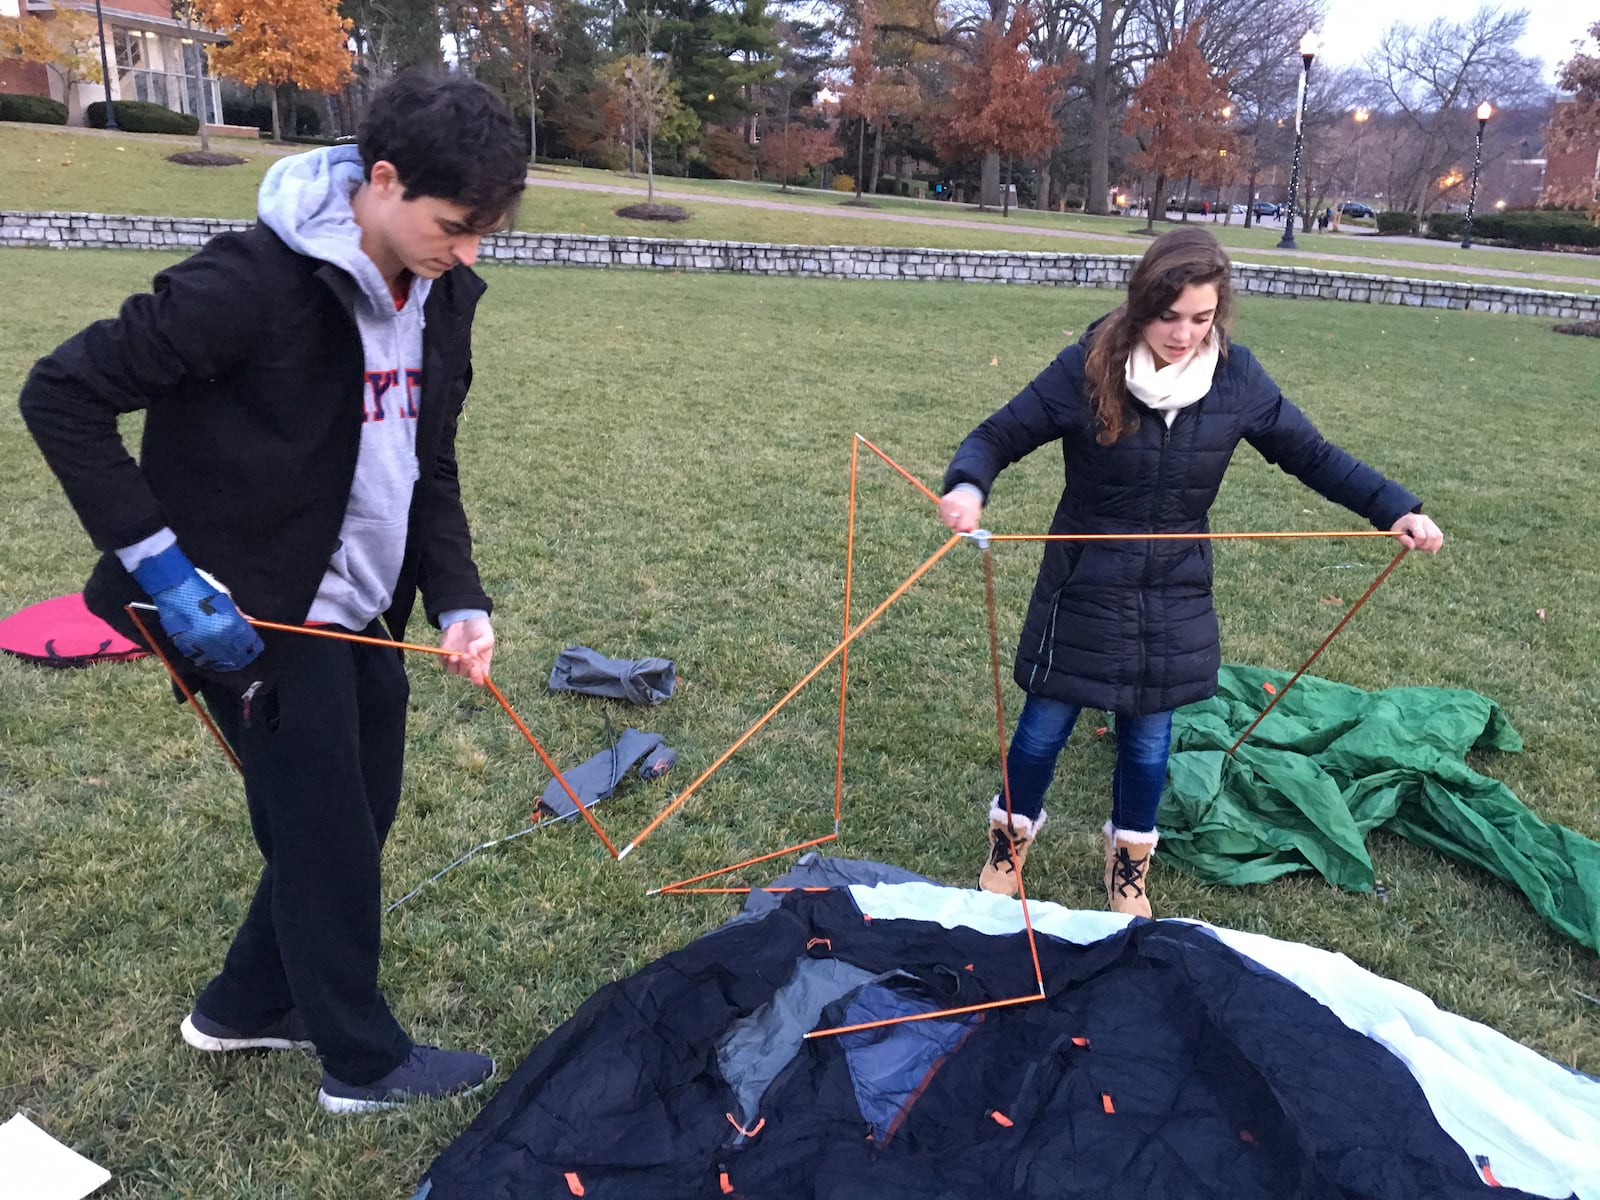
(105, 66)
(1362, 116)
(1308, 50)
(1485, 111)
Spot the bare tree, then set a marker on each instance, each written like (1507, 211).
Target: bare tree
(1256, 43)
(1433, 77)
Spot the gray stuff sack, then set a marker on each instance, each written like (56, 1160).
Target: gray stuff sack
(597, 778)
(638, 681)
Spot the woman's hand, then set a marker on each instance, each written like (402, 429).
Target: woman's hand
(1417, 531)
(960, 510)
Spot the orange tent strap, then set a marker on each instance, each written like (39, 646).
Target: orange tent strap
(927, 1016)
(574, 1184)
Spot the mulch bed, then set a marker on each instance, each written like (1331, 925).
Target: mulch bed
(654, 212)
(205, 158)
(1581, 328)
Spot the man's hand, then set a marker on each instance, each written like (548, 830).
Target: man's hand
(471, 646)
(1418, 532)
(197, 614)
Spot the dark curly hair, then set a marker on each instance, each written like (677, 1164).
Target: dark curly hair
(448, 137)
(1173, 262)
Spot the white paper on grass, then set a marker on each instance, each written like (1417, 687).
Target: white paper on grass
(34, 1166)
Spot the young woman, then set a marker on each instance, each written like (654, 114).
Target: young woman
(1148, 408)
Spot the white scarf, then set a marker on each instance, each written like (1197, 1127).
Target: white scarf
(1177, 385)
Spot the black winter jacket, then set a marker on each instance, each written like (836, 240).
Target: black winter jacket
(1128, 626)
(248, 363)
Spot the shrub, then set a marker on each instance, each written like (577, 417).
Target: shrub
(306, 121)
(36, 110)
(727, 153)
(1536, 230)
(1072, 203)
(1447, 226)
(139, 116)
(1397, 222)
(844, 183)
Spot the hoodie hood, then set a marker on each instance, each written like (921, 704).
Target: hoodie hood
(305, 200)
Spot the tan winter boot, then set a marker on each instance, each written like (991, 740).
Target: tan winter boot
(1128, 855)
(1008, 848)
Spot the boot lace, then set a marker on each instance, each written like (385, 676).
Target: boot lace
(1002, 848)
(1129, 872)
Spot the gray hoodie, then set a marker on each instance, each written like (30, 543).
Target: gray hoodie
(305, 200)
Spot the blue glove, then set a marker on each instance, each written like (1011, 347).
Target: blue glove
(201, 620)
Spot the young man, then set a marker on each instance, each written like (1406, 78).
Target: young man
(301, 384)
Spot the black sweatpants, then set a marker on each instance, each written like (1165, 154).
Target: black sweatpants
(322, 791)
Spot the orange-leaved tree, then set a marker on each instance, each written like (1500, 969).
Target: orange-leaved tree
(871, 93)
(63, 42)
(1179, 115)
(274, 42)
(797, 147)
(1576, 127)
(1001, 102)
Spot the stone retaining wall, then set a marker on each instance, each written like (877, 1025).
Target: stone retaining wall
(100, 231)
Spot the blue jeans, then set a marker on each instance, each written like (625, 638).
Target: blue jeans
(1136, 783)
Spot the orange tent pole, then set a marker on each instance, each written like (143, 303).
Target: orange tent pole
(549, 765)
(910, 478)
(1179, 537)
(177, 680)
(362, 639)
(1344, 620)
(672, 887)
(927, 1016)
(844, 659)
(739, 891)
(792, 693)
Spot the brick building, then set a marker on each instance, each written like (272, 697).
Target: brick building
(152, 56)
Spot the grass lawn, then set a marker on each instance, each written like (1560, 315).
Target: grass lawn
(657, 464)
(41, 170)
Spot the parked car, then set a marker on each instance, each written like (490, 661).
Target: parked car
(1352, 208)
(1264, 208)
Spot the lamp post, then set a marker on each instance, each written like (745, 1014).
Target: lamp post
(1362, 116)
(1485, 111)
(1309, 44)
(105, 66)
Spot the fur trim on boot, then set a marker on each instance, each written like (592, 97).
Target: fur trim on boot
(1008, 848)
(1128, 855)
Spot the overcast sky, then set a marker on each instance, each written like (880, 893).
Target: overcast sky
(1354, 25)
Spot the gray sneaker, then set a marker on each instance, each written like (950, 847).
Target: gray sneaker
(427, 1073)
(288, 1032)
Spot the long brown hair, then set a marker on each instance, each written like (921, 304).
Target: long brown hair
(1173, 262)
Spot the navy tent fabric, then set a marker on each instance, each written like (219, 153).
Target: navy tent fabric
(1161, 1064)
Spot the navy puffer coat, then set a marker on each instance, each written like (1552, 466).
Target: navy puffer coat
(1128, 626)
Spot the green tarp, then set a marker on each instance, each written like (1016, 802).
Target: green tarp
(1332, 763)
